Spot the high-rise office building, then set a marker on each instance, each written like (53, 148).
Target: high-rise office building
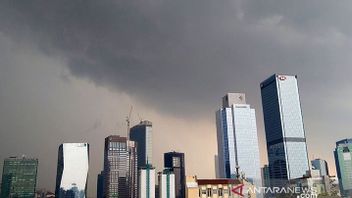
(142, 135)
(238, 139)
(322, 166)
(175, 162)
(166, 184)
(72, 170)
(146, 182)
(285, 135)
(343, 160)
(19, 177)
(120, 168)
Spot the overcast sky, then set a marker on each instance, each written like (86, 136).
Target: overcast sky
(70, 70)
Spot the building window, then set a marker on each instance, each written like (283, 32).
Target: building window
(209, 193)
(220, 192)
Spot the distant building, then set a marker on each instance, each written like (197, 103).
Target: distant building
(147, 182)
(343, 160)
(214, 188)
(19, 177)
(72, 170)
(44, 194)
(313, 180)
(176, 163)
(100, 185)
(120, 168)
(322, 166)
(237, 138)
(285, 135)
(166, 184)
(266, 176)
(142, 134)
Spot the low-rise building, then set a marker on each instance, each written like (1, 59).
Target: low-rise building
(218, 188)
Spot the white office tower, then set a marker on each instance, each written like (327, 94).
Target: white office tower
(167, 184)
(237, 140)
(72, 170)
(147, 182)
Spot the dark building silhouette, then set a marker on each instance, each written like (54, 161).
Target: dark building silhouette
(120, 168)
(142, 135)
(100, 185)
(176, 163)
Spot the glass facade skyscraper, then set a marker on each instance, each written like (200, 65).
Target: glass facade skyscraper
(285, 135)
(142, 135)
(19, 177)
(120, 168)
(175, 162)
(238, 139)
(72, 170)
(343, 160)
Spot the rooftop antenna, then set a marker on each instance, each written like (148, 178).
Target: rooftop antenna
(128, 121)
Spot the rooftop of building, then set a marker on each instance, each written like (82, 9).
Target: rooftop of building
(344, 142)
(218, 181)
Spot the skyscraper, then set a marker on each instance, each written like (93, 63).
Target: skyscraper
(343, 160)
(166, 184)
(120, 167)
(72, 170)
(322, 166)
(142, 135)
(147, 182)
(285, 135)
(176, 163)
(19, 177)
(238, 139)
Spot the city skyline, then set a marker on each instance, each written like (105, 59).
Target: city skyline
(70, 71)
(172, 149)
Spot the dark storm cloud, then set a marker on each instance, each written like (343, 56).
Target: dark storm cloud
(182, 55)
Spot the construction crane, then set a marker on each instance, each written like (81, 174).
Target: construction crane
(128, 121)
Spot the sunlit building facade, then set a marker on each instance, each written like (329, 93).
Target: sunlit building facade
(72, 170)
(285, 135)
(166, 184)
(238, 139)
(146, 182)
(218, 188)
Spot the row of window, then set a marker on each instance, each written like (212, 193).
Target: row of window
(209, 192)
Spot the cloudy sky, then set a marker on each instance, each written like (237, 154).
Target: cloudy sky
(70, 70)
